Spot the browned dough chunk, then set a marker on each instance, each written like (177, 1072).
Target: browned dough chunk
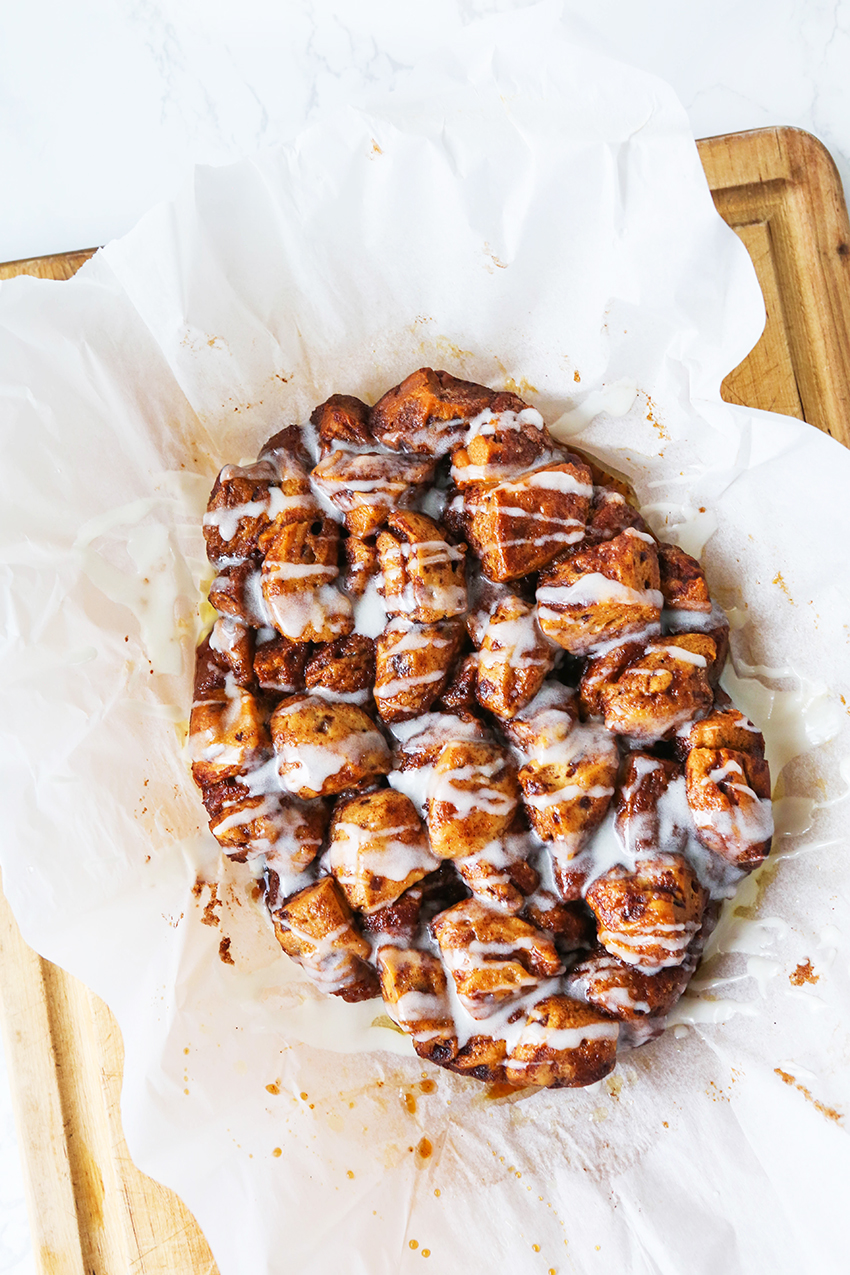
(641, 825)
(546, 722)
(610, 515)
(237, 591)
(729, 797)
(604, 593)
(362, 563)
(244, 503)
(514, 659)
(682, 580)
(424, 576)
(519, 527)
(399, 920)
(564, 1044)
(415, 992)
(299, 571)
(286, 451)
(599, 671)
(429, 411)
(316, 929)
(324, 748)
(342, 419)
(413, 664)
(715, 626)
(656, 693)
(482, 1057)
(378, 848)
(279, 665)
(228, 650)
(228, 736)
(473, 797)
(500, 875)
(725, 727)
(624, 992)
(500, 448)
(571, 923)
(567, 789)
(344, 667)
(367, 486)
(459, 696)
(289, 832)
(648, 917)
(492, 957)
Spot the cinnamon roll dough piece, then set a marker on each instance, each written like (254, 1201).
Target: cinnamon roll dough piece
(514, 659)
(416, 994)
(228, 736)
(324, 748)
(298, 574)
(729, 798)
(378, 848)
(665, 687)
(367, 486)
(413, 664)
(473, 795)
(564, 1044)
(245, 502)
(604, 593)
(342, 421)
(429, 411)
(648, 917)
(316, 929)
(424, 575)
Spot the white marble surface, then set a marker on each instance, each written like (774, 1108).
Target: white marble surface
(106, 104)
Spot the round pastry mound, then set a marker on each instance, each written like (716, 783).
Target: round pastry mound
(460, 708)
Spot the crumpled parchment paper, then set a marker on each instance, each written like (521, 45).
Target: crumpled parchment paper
(525, 214)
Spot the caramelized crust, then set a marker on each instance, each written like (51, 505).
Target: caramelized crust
(316, 929)
(473, 796)
(729, 798)
(546, 722)
(424, 577)
(500, 875)
(483, 1058)
(648, 917)
(378, 848)
(724, 728)
(492, 957)
(514, 659)
(610, 515)
(665, 687)
(502, 446)
(518, 527)
(564, 1044)
(344, 420)
(413, 663)
(429, 411)
(570, 923)
(599, 671)
(244, 503)
(459, 696)
(289, 832)
(362, 563)
(366, 486)
(415, 990)
(324, 748)
(399, 920)
(605, 593)
(228, 650)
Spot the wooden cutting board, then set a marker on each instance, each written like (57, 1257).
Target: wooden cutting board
(91, 1211)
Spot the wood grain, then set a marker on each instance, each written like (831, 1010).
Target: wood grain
(91, 1211)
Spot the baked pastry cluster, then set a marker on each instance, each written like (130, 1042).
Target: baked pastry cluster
(460, 707)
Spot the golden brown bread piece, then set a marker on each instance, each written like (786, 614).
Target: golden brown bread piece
(725, 727)
(227, 651)
(289, 832)
(367, 486)
(518, 527)
(473, 795)
(714, 626)
(298, 575)
(459, 696)
(244, 503)
(652, 810)
(623, 991)
(378, 848)
(682, 580)
(324, 748)
(546, 722)
(482, 1057)
(665, 687)
(429, 411)
(362, 563)
(343, 420)
(344, 667)
(514, 659)
(492, 957)
(279, 665)
(570, 923)
(502, 446)
(599, 670)
(286, 451)
(610, 514)
(500, 875)
(316, 929)
(648, 917)
(567, 788)
(413, 664)
(729, 798)
(604, 593)
(237, 591)
(228, 736)
(415, 991)
(424, 575)
(564, 1044)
